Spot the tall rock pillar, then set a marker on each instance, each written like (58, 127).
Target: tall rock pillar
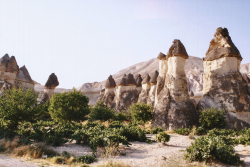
(224, 87)
(49, 87)
(173, 108)
(143, 97)
(151, 94)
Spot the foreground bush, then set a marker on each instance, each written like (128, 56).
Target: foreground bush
(183, 131)
(211, 118)
(156, 130)
(141, 112)
(71, 106)
(208, 148)
(17, 105)
(162, 137)
(101, 113)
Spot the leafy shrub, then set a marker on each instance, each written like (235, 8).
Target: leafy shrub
(207, 148)
(16, 105)
(141, 112)
(102, 114)
(244, 137)
(88, 159)
(122, 116)
(211, 118)
(116, 124)
(183, 131)
(162, 137)
(156, 130)
(71, 106)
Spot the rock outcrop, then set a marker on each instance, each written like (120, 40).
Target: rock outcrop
(8, 69)
(24, 79)
(151, 94)
(224, 86)
(138, 81)
(108, 95)
(173, 108)
(143, 97)
(49, 87)
(126, 93)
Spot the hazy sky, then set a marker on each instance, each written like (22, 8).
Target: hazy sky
(87, 40)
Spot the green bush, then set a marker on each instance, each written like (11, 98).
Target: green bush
(244, 137)
(88, 159)
(17, 105)
(156, 130)
(162, 137)
(71, 106)
(102, 114)
(183, 131)
(122, 116)
(207, 148)
(211, 118)
(141, 112)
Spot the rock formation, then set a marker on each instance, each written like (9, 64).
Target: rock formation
(126, 93)
(173, 108)
(224, 85)
(143, 97)
(49, 87)
(138, 81)
(109, 94)
(8, 69)
(151, 94)
(24, 79)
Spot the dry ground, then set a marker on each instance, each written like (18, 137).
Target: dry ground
(139, 154)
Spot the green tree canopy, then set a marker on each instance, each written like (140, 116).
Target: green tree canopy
(71, 106)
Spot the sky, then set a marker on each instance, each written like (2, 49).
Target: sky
(87, 40)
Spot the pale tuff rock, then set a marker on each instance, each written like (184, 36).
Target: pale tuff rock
(24, 79)
(151, 94)
(173, 108)
(191, 93)
(49, 87)
(126, 93)
(145, 89)
(108, 95)
(224, 87)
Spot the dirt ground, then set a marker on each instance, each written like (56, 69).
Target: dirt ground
(139, 154)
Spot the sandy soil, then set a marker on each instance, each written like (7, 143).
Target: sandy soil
(139, 154)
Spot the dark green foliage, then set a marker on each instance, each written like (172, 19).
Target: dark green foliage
(211, 118)
(162, 137)
(207, 148)
(141, 112)
(116, 124)
(71, 106)
(102, 114)
(244, 137)
(183, 131)
(156, 130)
(101, 103)
(88, 159)
(122, 116)
(200, 131)
(65, 154)
(17, 105)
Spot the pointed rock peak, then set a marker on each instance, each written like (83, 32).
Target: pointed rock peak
(146, 79)
(12, 65)
(161, 56)
(138, 80)
(52, 82)
(110, 82)
(24, 74)
(177, 49)
(153, 79)
(191, 93)
(122, 82)
(222, 46)
(245, 78)
(6, 56)
(130, 79)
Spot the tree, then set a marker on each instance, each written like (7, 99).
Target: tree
(16, 106)
(141, 112)
(101, 112)
(71, 106)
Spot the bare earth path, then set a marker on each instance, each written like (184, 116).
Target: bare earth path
(139, 154)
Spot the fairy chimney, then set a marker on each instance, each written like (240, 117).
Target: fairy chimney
(8, 69)
(138, 81)
(173, 108)
(145, 89)
(151, 94)
(126, 93)
(51, 84)
(224, 87)
(108, 95)
(24, 79)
